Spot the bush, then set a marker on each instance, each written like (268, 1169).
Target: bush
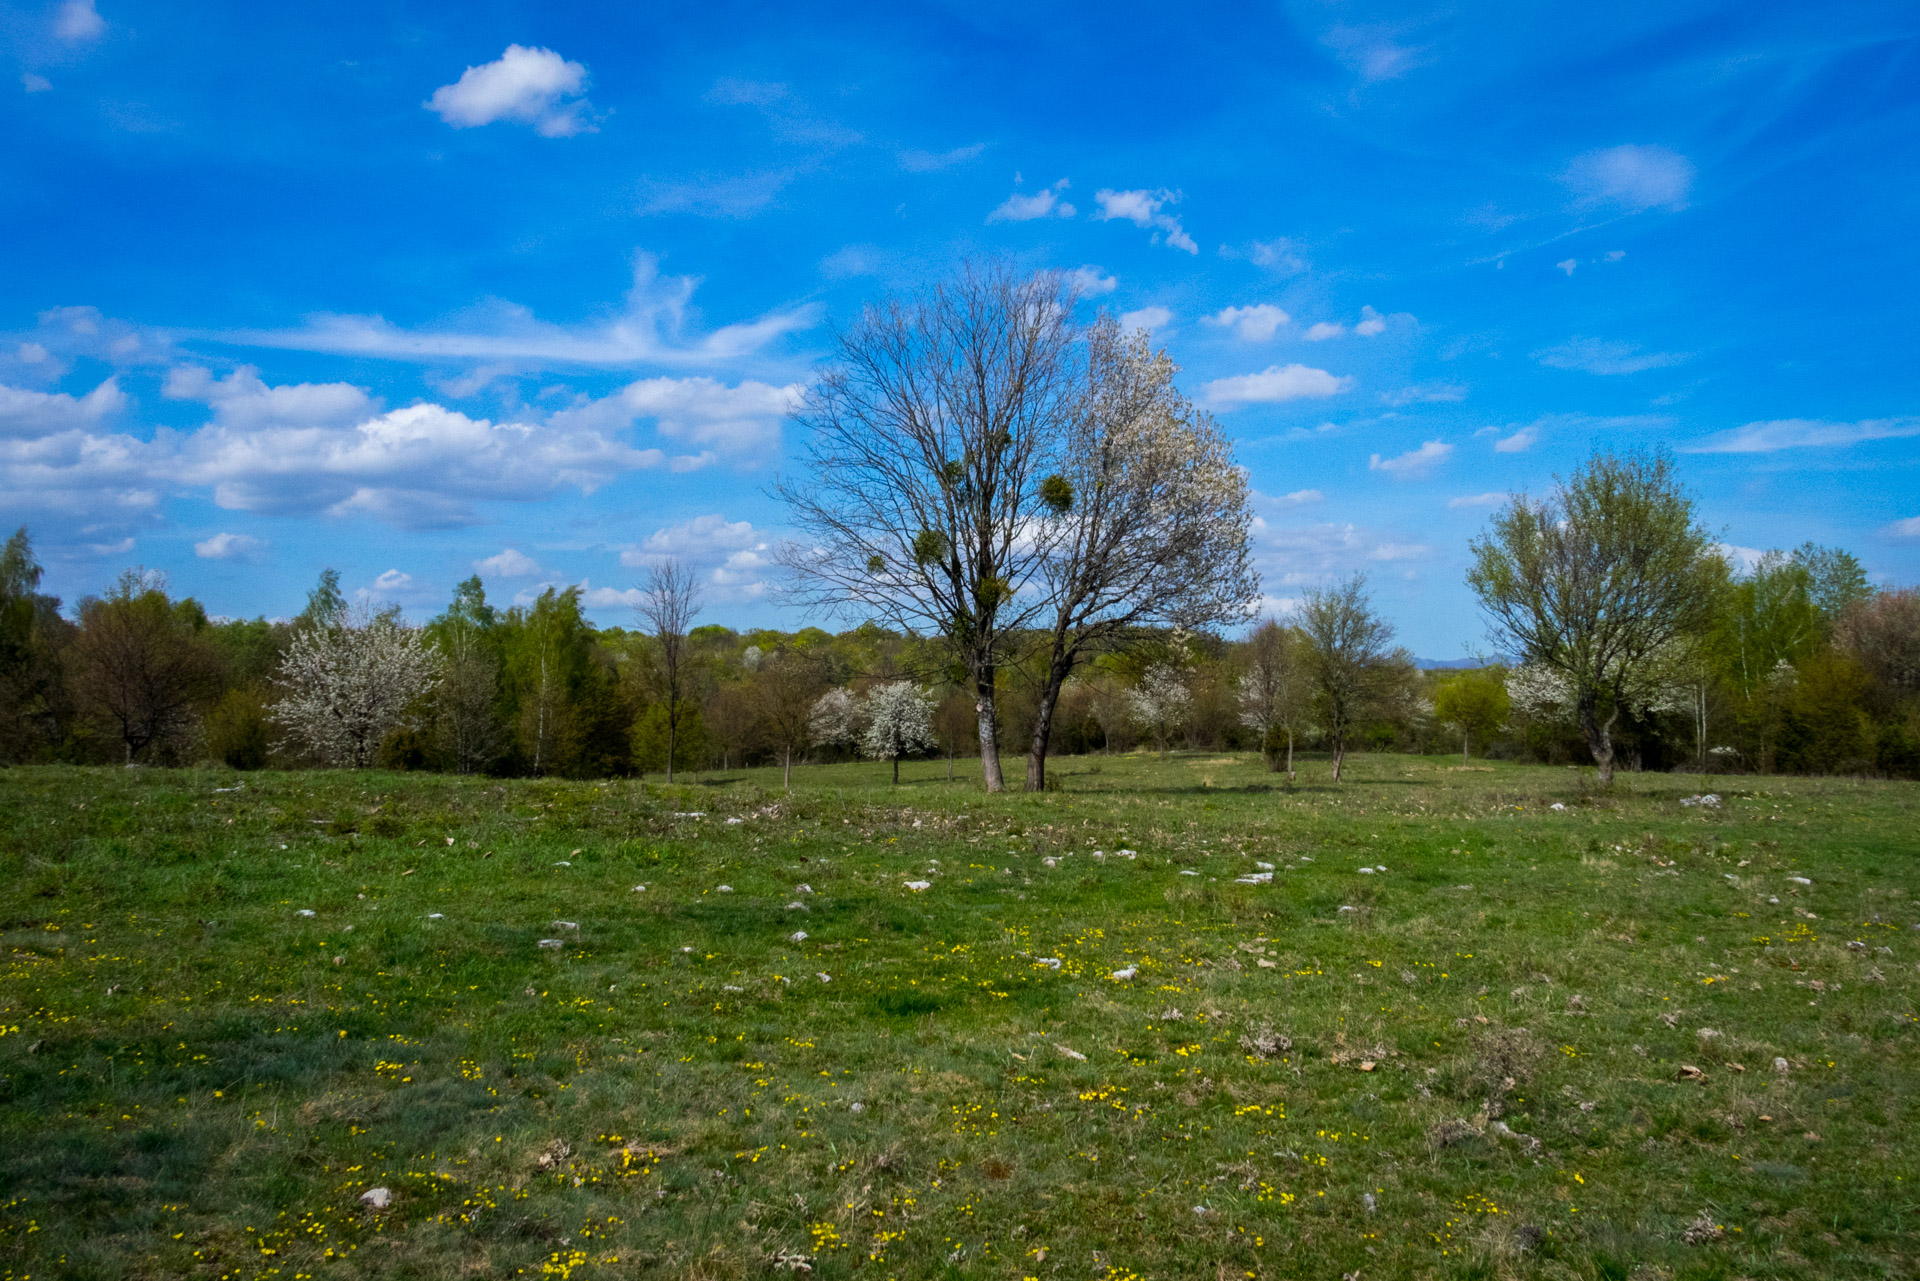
(237, 733)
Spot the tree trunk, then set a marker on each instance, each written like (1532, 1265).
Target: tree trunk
(983, 703)
(1339, 753)
(786, 778)
(672, 716)
(949, 762)
(896, 768)
(1290, 754)
(1043, 724)
(1464, 755)
(1599, 735)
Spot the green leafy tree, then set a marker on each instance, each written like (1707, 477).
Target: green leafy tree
(34, 711)
(1352, 665)
(1604, 583)
(468, 730)
(1475, 703)
(551, 679)
(142, 664)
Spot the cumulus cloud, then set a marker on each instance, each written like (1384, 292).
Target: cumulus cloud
(1415, 462)
(1903, 529)
(1567, 265)
(531, 86)
(1606, 357)
(1492, 498)
(77, 20)
(1630, 178)
(1044, 203)
(509, 562)
(1371, 323)
(736, 557)
(1256, 323)
(717, 419)
(1303, 498)
(225, 546)
(652, 330)
(1091, 281)
(242, 399)
(1276, 384)
(33, 82)
(1323, 330)
(1148, 318)
(392, 581)
(1144, 209)
(1519, 442)
(1803, 433)
(39, 413)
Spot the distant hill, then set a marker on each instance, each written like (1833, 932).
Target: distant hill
(1448, 664)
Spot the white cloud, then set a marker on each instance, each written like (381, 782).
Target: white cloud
(1148, 318)
(1741, 558)
(1045, 203)
(392, 581)
(741, 420)
(1256, 323)
(1143, 209)
(228, 547)
(650, 331)
(531, 86)
(1519, 442)
(1415, 462)
(1614, 255)
(1324, 330)
(699, 539)
(1633, 178)
(78, 20)
(1604, 356)
(1400, 551)
(1428, 394)
(932, 161)
(1276, 384)
(1904, 529)
(1374, 53)
(1303, 498)
(1492, 498)
(31, 353)
(730, 196)
(242, 400)
(1803, 433)
(510, 562)
(1568, 265)
(39, 413)
(1371, 323)
(1280, 256)
(611, 597)
(32, 82)
(1091, 281)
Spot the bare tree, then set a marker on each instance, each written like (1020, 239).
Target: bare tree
(668, 607)
(1350, 662)
(931, 439)
(1145, 521)
(1602, 583)
(139, 661)
(1271, 690)
(787, 685)
(346, 686)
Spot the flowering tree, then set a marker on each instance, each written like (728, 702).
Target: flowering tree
(346, 686)
(1272, 690)
(899, 720)
(837, 717)
(1160, 702)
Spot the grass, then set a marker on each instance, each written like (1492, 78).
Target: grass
(1472, 1063)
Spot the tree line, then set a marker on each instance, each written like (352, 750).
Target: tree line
(1042, 546)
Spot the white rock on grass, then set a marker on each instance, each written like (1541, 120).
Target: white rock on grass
(917, 886)
(1126, 975)
(1799, 880)
(1254, 878)
(803, 888)
(566, 925)
(305, 911)
(552, 944)
(1051, 962)
(562, 863)
(436, 916)
(723, 889)
(798, 936)
(377, 1198)
(1265, 867)
(823, 976)
(639, 889)
(1187, 871)
(795, 906)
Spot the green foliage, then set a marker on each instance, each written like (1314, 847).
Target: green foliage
(690, 739)
(238, 733)
(1474, 703)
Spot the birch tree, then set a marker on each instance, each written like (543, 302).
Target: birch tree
(930, 440)
(1602, 582)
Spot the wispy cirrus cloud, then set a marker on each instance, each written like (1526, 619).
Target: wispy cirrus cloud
(652, 330)
(1605, 357)
(1802, 433)
(1630, 178)
(1415, 462)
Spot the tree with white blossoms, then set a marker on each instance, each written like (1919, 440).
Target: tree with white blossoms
(1272, 691)
(1161, 701)
(837, 718)
(899, 721)
(349, 680)
(1143, 522)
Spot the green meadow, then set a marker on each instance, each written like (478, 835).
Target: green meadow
(1160, 1022)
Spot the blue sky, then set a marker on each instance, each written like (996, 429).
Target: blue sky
(409, 289)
